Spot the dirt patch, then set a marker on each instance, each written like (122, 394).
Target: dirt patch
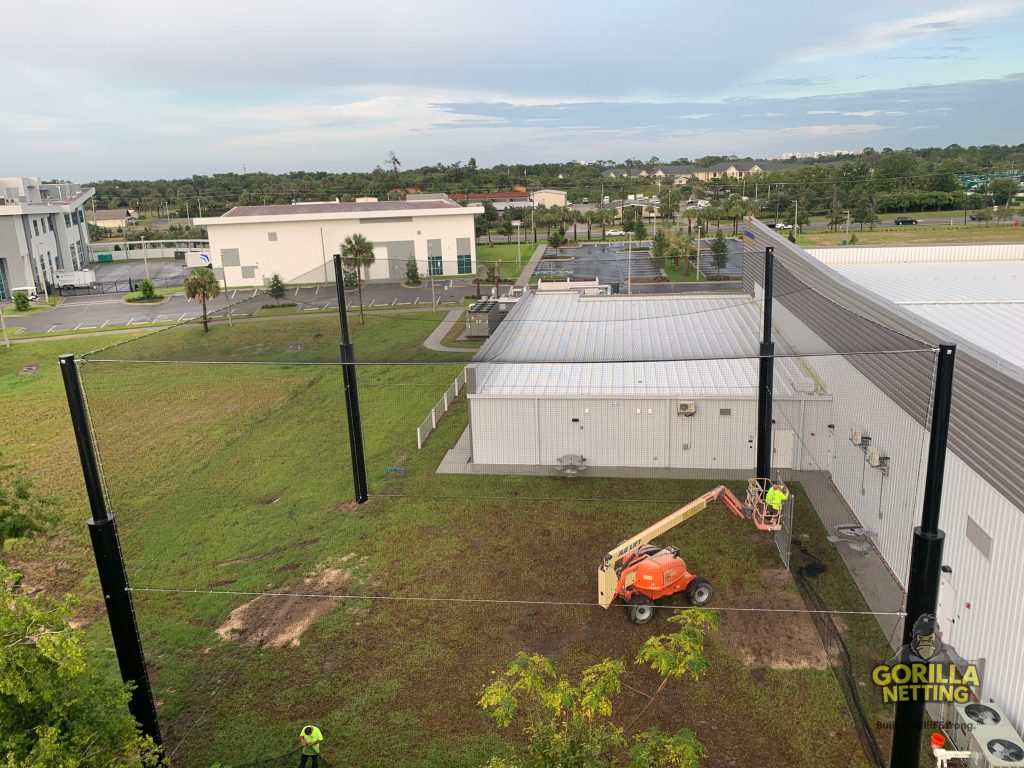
(783, 638)
(268, 553)
(220, 583)
(349, 506)
(278, 622)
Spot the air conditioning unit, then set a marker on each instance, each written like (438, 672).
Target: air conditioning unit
(857, 437)
(686, 408)
(984, 730)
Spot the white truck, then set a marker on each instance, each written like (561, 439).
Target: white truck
(82, 278)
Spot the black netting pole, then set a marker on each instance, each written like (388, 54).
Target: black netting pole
(109, 563)
(925, 557)
(348, 364)
(765, 376)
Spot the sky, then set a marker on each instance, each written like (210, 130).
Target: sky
(104, 89)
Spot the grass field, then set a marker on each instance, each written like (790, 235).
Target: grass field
(229, 480)
(919, 234)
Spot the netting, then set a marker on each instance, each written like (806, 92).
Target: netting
(499, 478)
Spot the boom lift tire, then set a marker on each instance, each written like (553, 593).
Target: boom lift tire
(699, 592)
(640, 609)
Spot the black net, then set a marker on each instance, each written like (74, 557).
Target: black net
(498, 480)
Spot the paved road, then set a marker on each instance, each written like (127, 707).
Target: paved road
(98, 311)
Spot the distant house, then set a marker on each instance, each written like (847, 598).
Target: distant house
(520, 197)
(111, 219)
(739, 169)
(551, 198)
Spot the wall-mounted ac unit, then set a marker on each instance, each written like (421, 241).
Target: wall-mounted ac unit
(856, 436)
(686, 408)
(988, 734)
(873, 456)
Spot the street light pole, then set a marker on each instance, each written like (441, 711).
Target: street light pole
(145, 256)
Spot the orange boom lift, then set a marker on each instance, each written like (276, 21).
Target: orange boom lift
(640, 573)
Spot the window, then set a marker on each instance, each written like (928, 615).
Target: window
(465, 264)
(272, 237)
(725, 411)
(35, 226)
(434, 266)
(67, 220)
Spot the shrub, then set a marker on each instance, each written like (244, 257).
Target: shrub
(21, 301)
(275, 288)
(412, 271)
(147, 290)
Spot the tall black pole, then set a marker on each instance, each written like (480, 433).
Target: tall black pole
(348, 365)
(765, 378)
(925, 557)
(109, 563)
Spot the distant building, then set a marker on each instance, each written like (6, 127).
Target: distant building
(42, 231)
(248, 244)
(112, 219)
(552, 198)
(520, 197)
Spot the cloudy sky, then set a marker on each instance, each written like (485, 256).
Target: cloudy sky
(104, 89)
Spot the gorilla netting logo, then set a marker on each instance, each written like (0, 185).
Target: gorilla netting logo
(926, 669)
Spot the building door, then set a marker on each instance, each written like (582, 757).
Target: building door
(948, 611)
(783, 441)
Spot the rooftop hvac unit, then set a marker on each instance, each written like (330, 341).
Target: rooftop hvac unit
(686, 408)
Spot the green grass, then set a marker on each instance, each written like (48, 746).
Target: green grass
(918, 234)
(505, 254)
(11, 314)
(676, 274)
(159, 292)
(236, 478)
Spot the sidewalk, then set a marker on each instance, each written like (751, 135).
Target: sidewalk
(524, 277)
(435, 340)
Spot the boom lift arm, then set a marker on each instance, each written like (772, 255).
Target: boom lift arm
(764, 519)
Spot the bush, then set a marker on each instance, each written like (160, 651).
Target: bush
(21, 303)
(351, 277)
(147, 290)
(275, 288)
(412, 271)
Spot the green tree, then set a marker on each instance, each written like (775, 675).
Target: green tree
(1002, 190)
(661, 249)
(556, 240)
(983, 215)
(147, 290)
(275, 288)
(357, 253)
(55, 707)
(203, 285)
(639, 230)
(21, 303)
(570, 723)
(719, 253)
(412, 271)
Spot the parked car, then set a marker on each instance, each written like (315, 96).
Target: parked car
(904, 220)
(586, 200)
(615, 233)
(781, 225)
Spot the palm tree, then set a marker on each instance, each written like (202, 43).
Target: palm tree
(202, 284)
(356, 253)
(588, 217)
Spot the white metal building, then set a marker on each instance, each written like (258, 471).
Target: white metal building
(42, 232)
(248, 244)
(969, 295)
(651, 384)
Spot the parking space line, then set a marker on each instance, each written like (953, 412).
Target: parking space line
(78, 326)
(254, 292)
(417, 301)
(233, 294)
(130, 320)
(372, 302)
(394, 302)
(104, 324)
(52, 327)
(317, 291)
(182, 316)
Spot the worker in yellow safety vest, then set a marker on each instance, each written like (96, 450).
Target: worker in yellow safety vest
(310, 738)
(776, 496)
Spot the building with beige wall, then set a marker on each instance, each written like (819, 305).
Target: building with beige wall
(248, 244)
(552, 198)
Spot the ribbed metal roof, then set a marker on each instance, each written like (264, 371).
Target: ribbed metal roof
(981, 302)
(562, 344)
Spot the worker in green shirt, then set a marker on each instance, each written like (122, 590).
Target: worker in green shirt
(776, 496)
(310, 738)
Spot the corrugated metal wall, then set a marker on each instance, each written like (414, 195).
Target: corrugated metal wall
(914, 254)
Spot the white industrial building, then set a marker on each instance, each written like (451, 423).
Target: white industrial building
(630, 384)
(853, 299)
(248, 244)
(42, 232)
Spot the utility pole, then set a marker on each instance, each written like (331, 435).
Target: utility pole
(925, 557)
(348, 365)
(765, 379)
(106, 546)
